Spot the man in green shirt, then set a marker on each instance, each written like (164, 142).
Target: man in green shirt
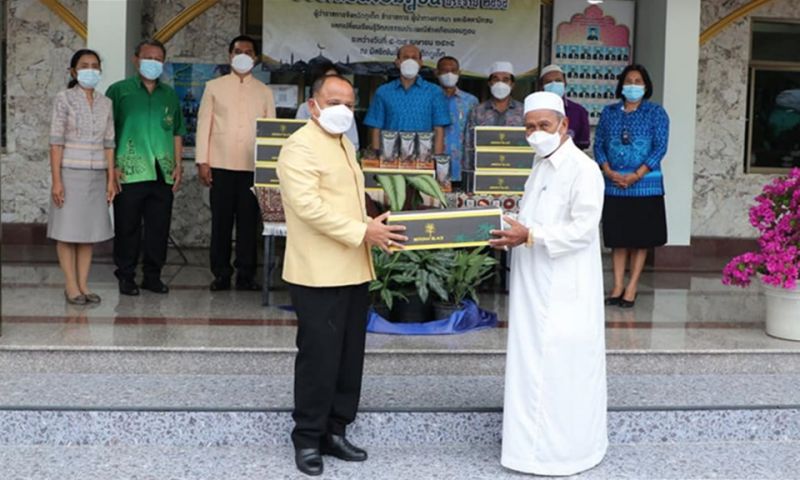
(149, 128)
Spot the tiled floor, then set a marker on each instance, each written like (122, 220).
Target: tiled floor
(674, 311)
(689, 315)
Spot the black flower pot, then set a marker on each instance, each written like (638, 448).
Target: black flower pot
(382, 310)
(442, 311)
(414, 310)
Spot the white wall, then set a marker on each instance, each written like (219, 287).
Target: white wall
(114, 30)
(667, 33)
(680, 100)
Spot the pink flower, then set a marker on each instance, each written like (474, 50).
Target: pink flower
(776, 215)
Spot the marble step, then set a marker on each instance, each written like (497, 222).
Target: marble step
(479, 428)
(381, 393)
(379, 361)
(736, 460)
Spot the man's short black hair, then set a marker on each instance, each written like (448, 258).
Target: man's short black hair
(447, 58)
(320, 82)
(150, 42)
(648, 84)
(245, 38)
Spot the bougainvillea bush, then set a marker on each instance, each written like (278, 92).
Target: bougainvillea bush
(776, 215)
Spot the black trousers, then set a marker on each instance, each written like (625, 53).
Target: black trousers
(332, 328)
(233, 201)
(147, 204)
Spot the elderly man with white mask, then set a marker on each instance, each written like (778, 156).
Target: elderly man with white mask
(554, 416)
(501, 110)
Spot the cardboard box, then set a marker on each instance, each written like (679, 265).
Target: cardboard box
(267, 151)
(505, 182)
(266, 174)
(451, 228)
(500, 137)
(494, 158)
(280, 128)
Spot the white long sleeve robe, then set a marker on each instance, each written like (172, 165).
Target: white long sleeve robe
(554, 417)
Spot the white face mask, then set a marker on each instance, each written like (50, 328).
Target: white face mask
(545, 143)
(336, 119)
(242, 63)
(448, 80)
(500, 90)
(409, 68)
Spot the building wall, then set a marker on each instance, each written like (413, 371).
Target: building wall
(40, 44)
(39, 49)
(722, 191)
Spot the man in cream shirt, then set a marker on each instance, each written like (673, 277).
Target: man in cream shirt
(226, 132)
(328, 266)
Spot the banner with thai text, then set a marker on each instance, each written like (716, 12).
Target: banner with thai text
(476, 32)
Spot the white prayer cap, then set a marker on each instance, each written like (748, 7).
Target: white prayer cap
(550, 68)
(544, 101)
(505, 67)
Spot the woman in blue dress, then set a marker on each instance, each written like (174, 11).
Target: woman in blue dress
(630, 143)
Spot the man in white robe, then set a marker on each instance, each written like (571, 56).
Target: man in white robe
(554, 415)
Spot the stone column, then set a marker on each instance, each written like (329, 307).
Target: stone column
(115, 27)
(667, 34)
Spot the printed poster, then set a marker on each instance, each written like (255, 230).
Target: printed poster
(592, 44)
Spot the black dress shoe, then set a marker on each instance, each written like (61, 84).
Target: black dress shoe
(309, 461)
(627, 303)
(128, 287)
(248, 285)
(613, 300)
(339, 447)
(155, 286)
(220, 283)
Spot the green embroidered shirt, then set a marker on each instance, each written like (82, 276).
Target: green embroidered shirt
(146, 125)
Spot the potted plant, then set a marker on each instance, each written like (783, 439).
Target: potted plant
(776, 215)
(469, 269)
(404, 282)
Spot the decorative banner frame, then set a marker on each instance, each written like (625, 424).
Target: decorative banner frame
(593, 44)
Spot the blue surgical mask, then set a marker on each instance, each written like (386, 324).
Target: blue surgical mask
(633, 93)
(150, 69)
(556, 87)
(88, 77)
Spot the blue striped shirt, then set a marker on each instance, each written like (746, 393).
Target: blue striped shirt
(647, 130)
(418, 109)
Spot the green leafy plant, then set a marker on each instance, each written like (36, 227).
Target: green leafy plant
(390, 282)
(402, 274)
(467, 270)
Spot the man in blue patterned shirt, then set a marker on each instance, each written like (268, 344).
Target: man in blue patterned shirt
(459, 104)
(409, 103)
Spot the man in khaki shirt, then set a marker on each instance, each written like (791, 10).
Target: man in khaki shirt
(226, 131)
(328, 266)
